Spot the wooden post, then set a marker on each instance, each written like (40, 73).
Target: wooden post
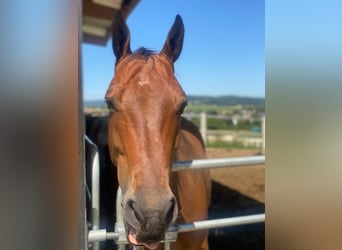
(235, 120)
(203, 126)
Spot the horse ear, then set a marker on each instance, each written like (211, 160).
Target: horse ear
(121, 37)
(174, 41)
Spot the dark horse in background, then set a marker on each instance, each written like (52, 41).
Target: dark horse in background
(146, 134)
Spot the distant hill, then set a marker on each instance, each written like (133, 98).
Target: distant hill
(94, 103)
(226, 100)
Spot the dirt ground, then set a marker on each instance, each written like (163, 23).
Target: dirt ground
(249, 181)
(237, 191)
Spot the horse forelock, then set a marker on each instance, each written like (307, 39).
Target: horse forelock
(143, 52)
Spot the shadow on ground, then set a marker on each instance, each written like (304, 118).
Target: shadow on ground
(226, 202)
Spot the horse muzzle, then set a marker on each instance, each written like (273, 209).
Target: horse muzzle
(147, 217)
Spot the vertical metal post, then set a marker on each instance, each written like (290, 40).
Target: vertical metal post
(119, 217)
(167, 245)
(203, 126)
(119, 227)
(95, 187)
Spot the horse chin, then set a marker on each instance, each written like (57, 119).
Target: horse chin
(132, 238)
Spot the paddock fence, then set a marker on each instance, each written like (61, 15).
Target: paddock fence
(253, 139)
(95, 235)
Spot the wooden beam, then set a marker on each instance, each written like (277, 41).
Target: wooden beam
(103, 13)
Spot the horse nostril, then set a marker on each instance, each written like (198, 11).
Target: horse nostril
(135, 208)
(171, 211)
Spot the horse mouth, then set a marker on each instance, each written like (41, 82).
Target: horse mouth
(133, 238)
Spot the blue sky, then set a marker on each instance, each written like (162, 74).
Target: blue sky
(223, 51)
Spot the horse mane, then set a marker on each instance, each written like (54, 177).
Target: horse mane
(192, 128)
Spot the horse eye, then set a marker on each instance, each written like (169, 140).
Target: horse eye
(110, 105)
(181, 108)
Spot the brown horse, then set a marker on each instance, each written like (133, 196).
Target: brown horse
(146, 134)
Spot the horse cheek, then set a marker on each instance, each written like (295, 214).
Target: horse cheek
(122, 173)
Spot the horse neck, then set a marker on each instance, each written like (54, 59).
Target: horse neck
(186, 183)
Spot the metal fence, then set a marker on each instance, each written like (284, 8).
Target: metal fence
(95, 235)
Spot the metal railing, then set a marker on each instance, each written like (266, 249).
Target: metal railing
(219, 163)
(119, 236)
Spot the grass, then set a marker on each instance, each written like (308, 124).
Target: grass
(212, 109)
(229, 145)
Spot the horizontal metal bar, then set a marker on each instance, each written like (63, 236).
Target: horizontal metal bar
(219, 163)
(208, 224)
(101, 235)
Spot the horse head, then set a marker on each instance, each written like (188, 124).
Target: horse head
(145, 103)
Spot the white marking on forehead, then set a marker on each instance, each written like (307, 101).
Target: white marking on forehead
(143, 82)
